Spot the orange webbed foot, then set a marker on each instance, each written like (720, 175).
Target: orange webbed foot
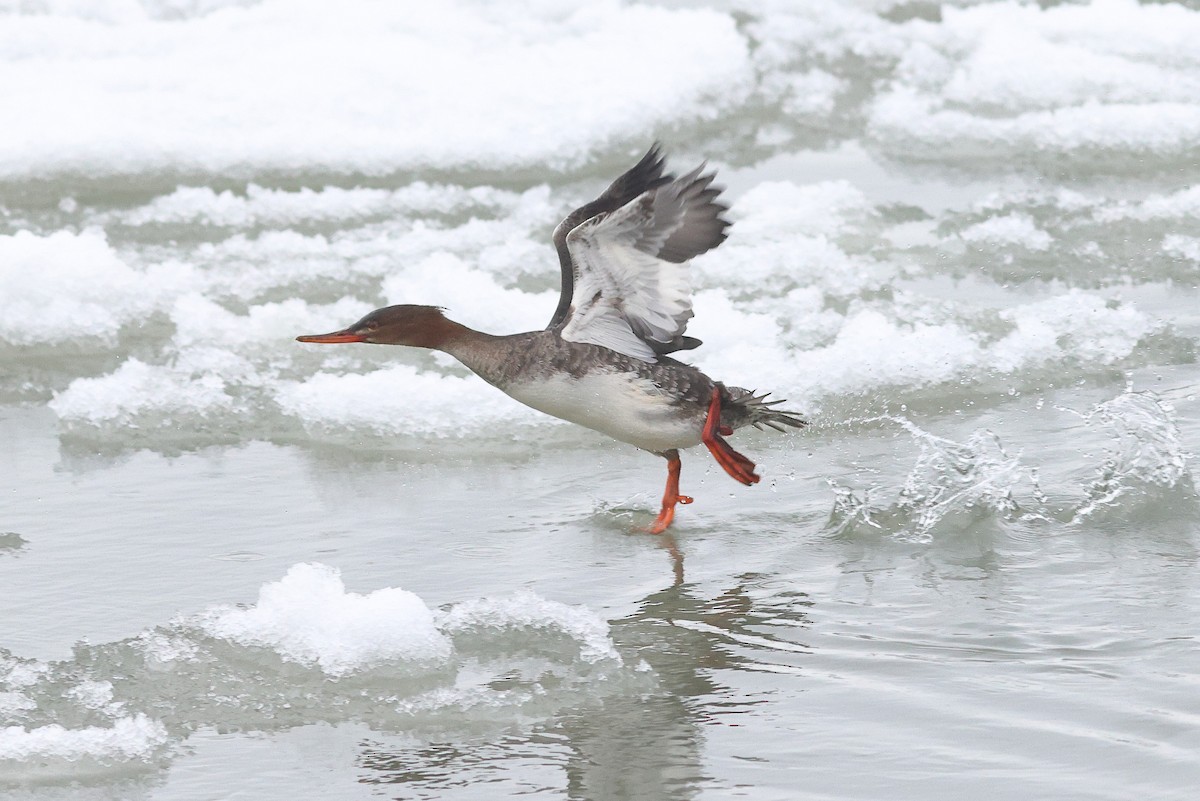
(671, 496)
(735, 464)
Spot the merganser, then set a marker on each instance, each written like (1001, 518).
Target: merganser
(626, 299)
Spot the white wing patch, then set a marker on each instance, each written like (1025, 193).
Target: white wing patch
(623, 294)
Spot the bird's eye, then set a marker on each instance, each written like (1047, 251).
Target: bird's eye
(372, 326)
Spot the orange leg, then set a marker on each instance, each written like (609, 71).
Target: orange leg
(671, 496)
(737, 466)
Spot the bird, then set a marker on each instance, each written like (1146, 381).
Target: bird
(604, 361)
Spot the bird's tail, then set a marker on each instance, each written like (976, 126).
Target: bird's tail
(742, 407)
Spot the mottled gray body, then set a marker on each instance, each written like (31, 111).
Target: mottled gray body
(655, 406)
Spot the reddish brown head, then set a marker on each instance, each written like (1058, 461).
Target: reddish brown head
(418, 326)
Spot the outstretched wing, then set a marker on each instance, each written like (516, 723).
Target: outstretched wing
(647, 174)
(628, 288)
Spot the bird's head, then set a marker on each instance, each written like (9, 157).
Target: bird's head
(417, 326)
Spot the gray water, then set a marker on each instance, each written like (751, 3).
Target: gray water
(974, 574)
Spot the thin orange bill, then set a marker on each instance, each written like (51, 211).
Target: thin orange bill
(335, 338)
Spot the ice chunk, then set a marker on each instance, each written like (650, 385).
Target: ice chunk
(526, 610)
(1182, 247)
(224, 365)
(67, 286)
(132, 737)
(809, 93)
(403, 401)
(1075, 327)
(138, 393)
(201, 322)
(1011, 229)
(788, 234)
(309, 618)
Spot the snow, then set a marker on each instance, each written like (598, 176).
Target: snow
(361, 87)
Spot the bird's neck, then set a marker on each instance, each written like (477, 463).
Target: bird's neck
(445, 335)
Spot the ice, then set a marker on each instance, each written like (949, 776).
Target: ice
(14, 704)
(309, 618)
(139, 394)
(1012, 229)
(988, 82)
(403, 401)
(200, 321)
(1071, 328)
(811, 93)
(355, 255)
(787, 235)
(69, 287)
(132, 737)
(1175, 206)
(20, 673)
(92, 694)
(1182, 247)
(526, 610)
(1005, 80)
(1079, 238)
(1076, 330)
(223, 365)
(916, 355)
(306, 650)
(261, 206)
(442, 280)
(1168, 129)
(792, 34)
(263, 87)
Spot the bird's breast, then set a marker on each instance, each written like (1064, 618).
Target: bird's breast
(623, 405)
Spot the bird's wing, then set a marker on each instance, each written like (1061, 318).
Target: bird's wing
(647, 174)
(624, 255)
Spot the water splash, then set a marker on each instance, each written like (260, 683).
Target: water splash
(850, 511)
(947, 477)
(1146, 464)
(1147, 460)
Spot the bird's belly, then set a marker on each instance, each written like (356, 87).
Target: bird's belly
(624, 406)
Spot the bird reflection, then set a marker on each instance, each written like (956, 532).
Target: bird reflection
(668, 542)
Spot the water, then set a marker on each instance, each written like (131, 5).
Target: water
(235, 566)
